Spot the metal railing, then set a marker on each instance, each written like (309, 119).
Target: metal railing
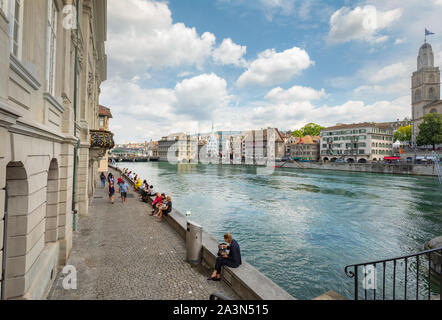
(416, 273)
(437, 165)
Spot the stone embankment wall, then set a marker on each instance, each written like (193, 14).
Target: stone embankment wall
(406, 169)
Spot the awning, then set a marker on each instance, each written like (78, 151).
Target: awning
(392, 158)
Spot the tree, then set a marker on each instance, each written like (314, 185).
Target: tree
(311, 129)
(298, 133)
(430, 131)
(403, 134)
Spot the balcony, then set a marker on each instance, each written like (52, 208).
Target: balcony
(100, 142)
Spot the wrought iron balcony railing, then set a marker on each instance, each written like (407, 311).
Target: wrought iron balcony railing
(417, 272)
(101, 139)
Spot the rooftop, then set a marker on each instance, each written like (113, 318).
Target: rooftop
(307, 140)
(104, 111)
(382, 125)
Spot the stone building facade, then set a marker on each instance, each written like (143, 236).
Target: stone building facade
(40, 130)
(178, 147)
(425, 88)
(260, 146)
(305, 148)
(358, 142)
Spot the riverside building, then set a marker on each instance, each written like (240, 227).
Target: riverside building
(360, 142)
(50, 145)
(305, 148)
(178, 147)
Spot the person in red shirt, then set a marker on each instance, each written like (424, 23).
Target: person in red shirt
(120, 181)
(156, 203)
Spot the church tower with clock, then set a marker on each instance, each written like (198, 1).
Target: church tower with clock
(425, 88)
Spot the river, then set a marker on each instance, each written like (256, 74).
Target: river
(302, 227)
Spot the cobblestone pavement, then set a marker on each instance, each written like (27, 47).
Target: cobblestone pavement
(120, 252)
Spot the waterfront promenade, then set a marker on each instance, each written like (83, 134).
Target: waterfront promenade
(120, 252)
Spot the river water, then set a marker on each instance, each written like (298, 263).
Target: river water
(302, 227)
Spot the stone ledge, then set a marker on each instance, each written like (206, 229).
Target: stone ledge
(24, 73)
(330, 295)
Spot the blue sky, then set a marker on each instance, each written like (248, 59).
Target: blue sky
(178, 65)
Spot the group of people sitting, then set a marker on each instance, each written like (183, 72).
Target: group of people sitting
(162, 204)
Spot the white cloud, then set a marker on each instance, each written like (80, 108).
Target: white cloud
(184, 74)
(399, 40)
(273, 67)
(272, 7)
(361, 23)
(161, 111)
(200, 95)
(142, 35)
(396, 70)
(230, 53)
(296, 114)
(295, 93)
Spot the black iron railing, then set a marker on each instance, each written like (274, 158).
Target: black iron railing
(101, 139)
(406, 275)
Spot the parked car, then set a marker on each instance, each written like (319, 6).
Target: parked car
(285, 158)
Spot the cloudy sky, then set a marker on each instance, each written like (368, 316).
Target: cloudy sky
(178, 65)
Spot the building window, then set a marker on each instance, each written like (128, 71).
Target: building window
(431, 93)
(417, 95)
(51, 46)
(15, 17)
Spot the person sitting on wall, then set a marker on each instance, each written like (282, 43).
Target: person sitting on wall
(232, 260)
(158, 200)
(165, 208)
(151, 191)
(138, 183)
(159, 204)
(144, 191)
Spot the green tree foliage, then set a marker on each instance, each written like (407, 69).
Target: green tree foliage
(430, 131)
(298, 133)
(311, 129)
(403, 134)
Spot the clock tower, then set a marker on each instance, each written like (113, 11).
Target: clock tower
(425, 86)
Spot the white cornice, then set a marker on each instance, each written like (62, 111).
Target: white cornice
(35, 130)
(53, 101)
(8, 115)
(24, 73)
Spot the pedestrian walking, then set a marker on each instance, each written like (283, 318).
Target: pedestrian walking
(103, 179)
(111, 191)
(123, 188)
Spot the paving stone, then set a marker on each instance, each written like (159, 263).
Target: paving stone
(120, 252)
